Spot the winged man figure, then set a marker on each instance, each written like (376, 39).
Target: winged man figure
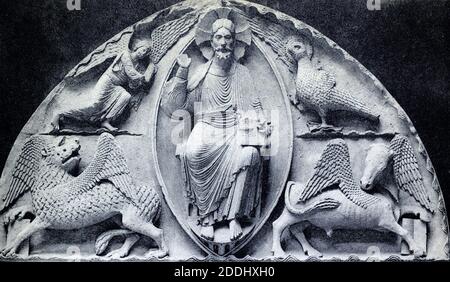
(136, 54)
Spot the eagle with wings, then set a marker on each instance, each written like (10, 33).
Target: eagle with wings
(316, 89)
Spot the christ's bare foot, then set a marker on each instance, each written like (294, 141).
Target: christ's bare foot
(235, 230)
(207, 232)
(108, 126)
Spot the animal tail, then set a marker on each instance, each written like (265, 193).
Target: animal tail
(103, 240)
(324, 204)
(344, 101)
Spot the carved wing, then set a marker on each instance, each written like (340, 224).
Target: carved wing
(109, 164)
(327, 170)
(107, 52)
(407, 173)
(25, 169)
(275, 36)
(163, 37)
(166, 35)
(334, 168)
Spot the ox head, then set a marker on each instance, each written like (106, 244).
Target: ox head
(378, 159)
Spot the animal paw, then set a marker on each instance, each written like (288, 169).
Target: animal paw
(315, 127)
(419, 252)
(156, 254)
(8, 219)
(9, 251)
(119, 253)
(14, 215)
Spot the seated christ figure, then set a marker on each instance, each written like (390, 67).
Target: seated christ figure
(222, 174)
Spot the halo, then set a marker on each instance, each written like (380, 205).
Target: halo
(243, 34)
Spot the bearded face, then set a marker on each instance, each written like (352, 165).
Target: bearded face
(223, 43)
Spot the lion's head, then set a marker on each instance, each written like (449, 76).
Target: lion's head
(38, 158)
(64, 153)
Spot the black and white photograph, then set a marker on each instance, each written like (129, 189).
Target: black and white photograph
(208, 132)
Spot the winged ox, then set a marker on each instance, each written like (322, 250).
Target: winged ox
(332, 199)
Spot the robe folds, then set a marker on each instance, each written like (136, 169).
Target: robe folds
(109, 98)
(213, 157)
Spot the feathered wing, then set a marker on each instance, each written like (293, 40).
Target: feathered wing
(24, 171)
(334, 168)
(163, 38)
(275, 36)
(407, 173)
(166, 35)
(107, 52)
(327, 169)
(109, 164)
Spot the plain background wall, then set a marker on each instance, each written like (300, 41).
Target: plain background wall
(405, 45)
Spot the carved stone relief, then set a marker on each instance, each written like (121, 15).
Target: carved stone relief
(220, 129)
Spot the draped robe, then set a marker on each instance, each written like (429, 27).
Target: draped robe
(213, 157)
(109, 98)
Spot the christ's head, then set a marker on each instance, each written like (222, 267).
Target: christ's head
(223, 38)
